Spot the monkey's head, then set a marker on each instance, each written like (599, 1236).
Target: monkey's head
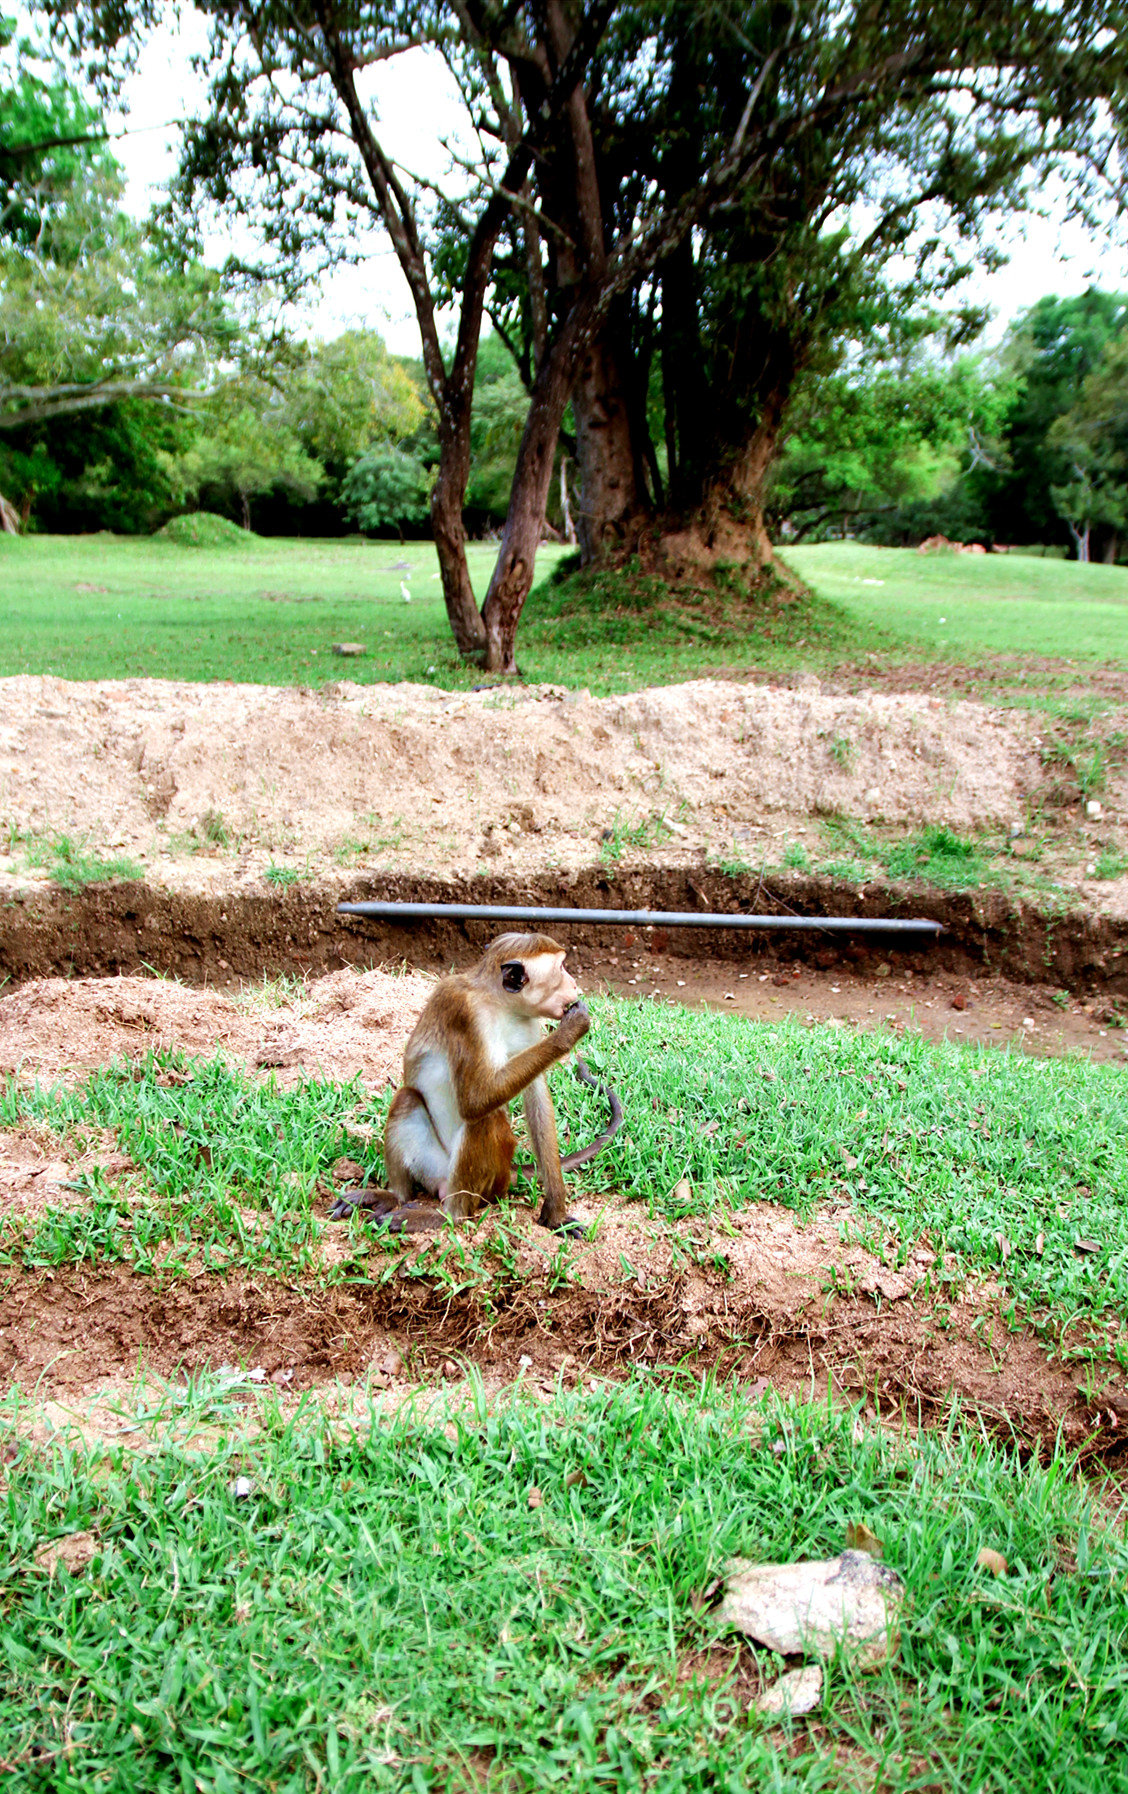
(527, 972)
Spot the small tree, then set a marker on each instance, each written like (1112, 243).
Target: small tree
(386, 489)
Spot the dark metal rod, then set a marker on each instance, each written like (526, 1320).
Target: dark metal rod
(636, 918)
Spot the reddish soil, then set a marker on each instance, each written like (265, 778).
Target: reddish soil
(755, 1300)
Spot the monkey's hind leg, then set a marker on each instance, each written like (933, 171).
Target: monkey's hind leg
(416, 1162)
(481, 1167)
(415, 1157)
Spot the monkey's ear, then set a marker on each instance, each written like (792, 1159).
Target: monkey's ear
(513, 975)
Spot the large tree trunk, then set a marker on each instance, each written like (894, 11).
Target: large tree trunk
(528, 496)
(610, 514)
(727, 526)
(9, 517)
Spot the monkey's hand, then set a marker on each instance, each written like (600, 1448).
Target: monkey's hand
(573, 1027)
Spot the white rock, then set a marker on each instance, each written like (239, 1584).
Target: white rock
(1092, 809)
(242, 1487)
(817, 1607)
(797, 1691)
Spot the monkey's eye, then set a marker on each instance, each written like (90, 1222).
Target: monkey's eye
(514, 975)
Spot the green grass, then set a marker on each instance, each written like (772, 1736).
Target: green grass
(1001, 1160)
(955, 608)
(265, 612)
(70, 863)
(268, 611)
(386, 1609)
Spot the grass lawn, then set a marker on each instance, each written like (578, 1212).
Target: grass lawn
(100, 607)
(390, 1607)
(961, 607)
(1003, 1161)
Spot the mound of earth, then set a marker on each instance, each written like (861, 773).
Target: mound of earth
(763, 1297)
(204, 529)
(453, 780)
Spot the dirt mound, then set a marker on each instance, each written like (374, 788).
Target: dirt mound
(369, 772)
(762, 1300)
(344, 1025)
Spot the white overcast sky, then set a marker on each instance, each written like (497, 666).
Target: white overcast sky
(417, 107)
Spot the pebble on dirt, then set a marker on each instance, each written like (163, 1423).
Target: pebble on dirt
(797, 1691)
(72, 1553)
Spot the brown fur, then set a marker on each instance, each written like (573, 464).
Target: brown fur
(448, 1131)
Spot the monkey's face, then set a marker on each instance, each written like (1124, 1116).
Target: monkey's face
(540, 985)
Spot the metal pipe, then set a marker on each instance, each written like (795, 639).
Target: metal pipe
(637, 918)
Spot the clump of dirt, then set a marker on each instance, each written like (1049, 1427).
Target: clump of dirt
(774, 1302)
(346, 1025)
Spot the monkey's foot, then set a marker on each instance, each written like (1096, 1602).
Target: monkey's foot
(569, 1227)
(416, 1217)
(375, 1201)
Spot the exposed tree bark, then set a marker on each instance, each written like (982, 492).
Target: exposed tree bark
(9, 517)
(610, 514)
(516, 561)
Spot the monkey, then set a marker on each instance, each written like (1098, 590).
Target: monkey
(479, 1043)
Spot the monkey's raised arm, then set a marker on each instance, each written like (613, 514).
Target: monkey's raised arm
(480, 1088)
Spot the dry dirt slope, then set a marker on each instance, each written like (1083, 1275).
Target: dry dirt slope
(152, 767)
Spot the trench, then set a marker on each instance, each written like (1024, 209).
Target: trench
(136, 927)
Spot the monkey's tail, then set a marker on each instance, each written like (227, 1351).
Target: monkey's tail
(587, 1153)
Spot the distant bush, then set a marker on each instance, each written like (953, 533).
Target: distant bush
(203, 529)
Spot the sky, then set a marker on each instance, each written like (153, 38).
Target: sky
(417, 108)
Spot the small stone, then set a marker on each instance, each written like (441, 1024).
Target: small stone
(242, 1487)
(347, 1171)
(1093, 809)
(391, 1364)
(797, 1691)
(525, 1361)
(1028, 1021)
(450, 1368)
(883, 970)
(959, 1001)
(991, 1560)
(350, 650)
(535, 1497)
